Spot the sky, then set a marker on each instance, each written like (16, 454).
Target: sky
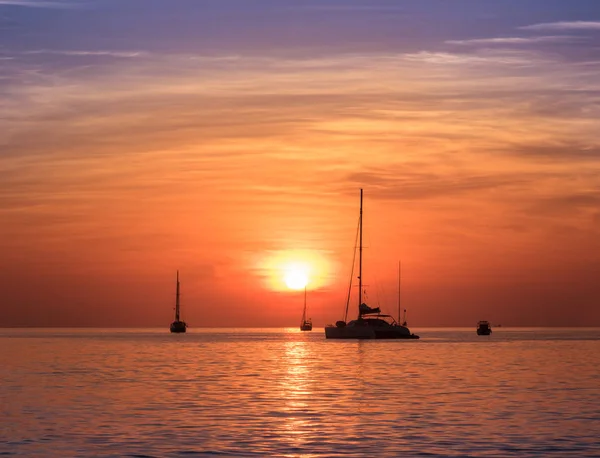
(230, 139)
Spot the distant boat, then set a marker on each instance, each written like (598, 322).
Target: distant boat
(484, 328)
(370, 323)
(178, 325)
(305, 324)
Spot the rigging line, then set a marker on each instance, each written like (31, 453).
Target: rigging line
(352, 272)
(378, 285)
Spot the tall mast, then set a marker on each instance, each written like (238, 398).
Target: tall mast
(360, 224)
(399, 271)
(177, 299)
(304, 312)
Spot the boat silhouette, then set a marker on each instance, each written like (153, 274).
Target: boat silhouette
(305, 324)
(370, 323)
(177, 326)
(484, 328)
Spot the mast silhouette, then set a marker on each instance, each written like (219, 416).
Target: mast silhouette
(177, 325)
(177, 299)
(399, 276)
(360, 224)
(304, 312)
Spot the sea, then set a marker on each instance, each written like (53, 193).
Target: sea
(519, 392)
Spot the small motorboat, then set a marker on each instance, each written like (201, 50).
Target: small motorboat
(484, 328)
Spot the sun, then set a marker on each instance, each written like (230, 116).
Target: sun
(295, 269)
(296, 276)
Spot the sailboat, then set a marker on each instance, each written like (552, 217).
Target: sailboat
(177, 325)
(305, 324)
(370, 322)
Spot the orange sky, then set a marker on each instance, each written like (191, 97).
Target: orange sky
(480, 166)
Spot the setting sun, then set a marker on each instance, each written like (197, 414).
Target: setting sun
(296, 275)
(294, 269)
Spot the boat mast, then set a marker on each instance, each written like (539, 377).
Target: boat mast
(360, 253)
(177, 299)
(399, 271)
(304, 312)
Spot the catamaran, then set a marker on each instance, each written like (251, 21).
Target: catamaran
(305, 324)
(177, 325)
(370, 323)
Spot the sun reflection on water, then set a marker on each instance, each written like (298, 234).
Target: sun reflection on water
(296, 392)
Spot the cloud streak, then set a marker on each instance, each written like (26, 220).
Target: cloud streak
(564, 25)
(84, 53)
(515, 40)
(309, 94)
(38, 4)
(504, 57)
(405, 183)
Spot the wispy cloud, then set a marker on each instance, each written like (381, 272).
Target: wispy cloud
(553, 153)
(39, 3)
(219, 106)
(564, 25)
(303, 91)
(503, 57)
(514, 40)
(83, 53)
(402, 183)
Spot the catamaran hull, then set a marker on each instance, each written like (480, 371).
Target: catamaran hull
(332, 332)
(366, 332)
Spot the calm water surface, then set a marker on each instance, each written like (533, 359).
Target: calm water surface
(281, 392)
